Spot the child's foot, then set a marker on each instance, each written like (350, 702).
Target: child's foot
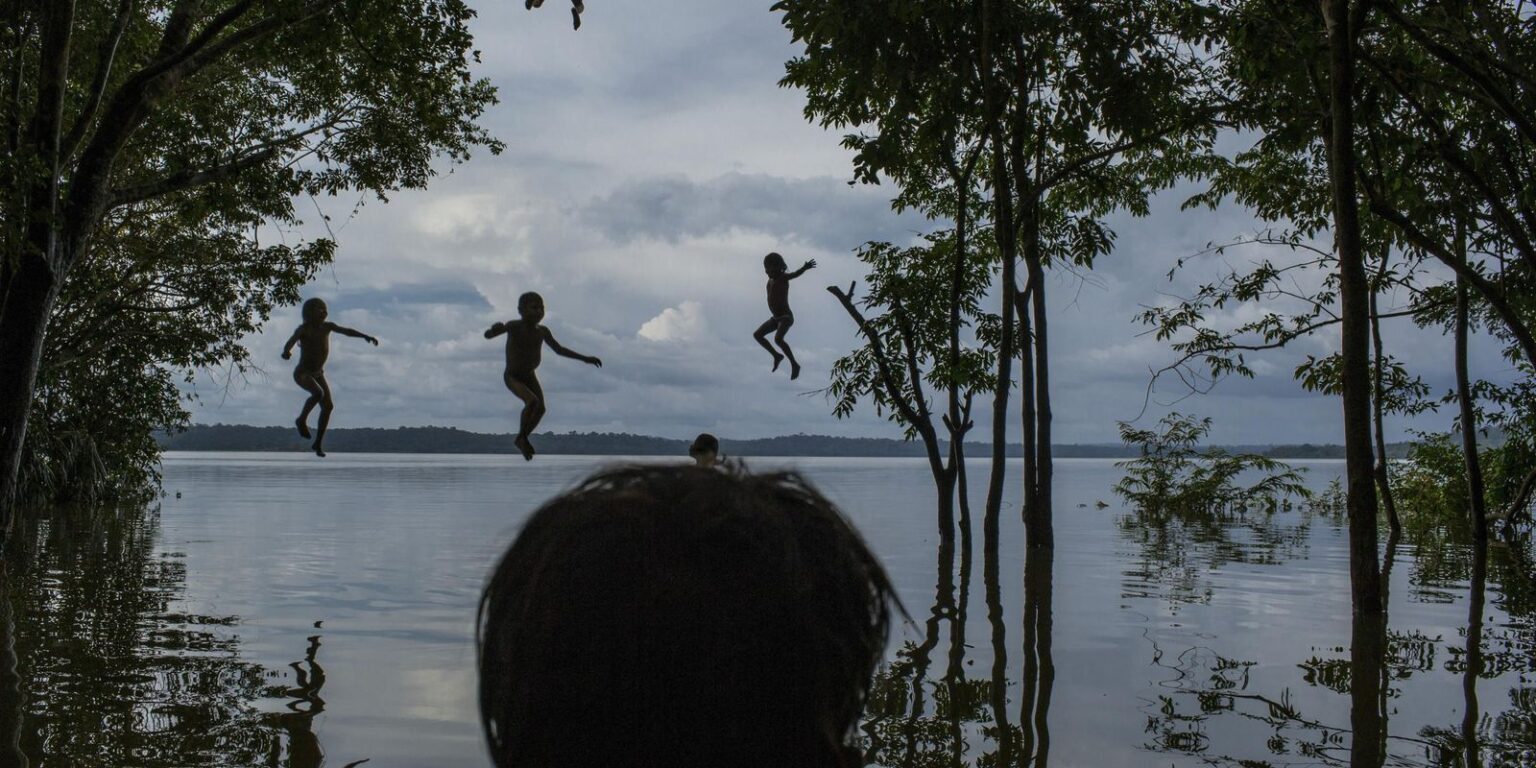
(794, 370)
(318, 450)
(303, 428)
(576, 16)
(776, 360)
(525, 447)
(531, 4)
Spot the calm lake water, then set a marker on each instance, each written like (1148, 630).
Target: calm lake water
(279, 610)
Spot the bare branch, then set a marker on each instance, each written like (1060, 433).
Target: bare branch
(888, 379)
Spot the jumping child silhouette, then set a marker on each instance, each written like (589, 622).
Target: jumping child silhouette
(525, 343)
(314, 340)
(778, 304)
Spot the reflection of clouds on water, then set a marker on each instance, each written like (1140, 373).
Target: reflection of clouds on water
(438, 694)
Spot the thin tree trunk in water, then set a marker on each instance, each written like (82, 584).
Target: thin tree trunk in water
(1027, 411)
(1383, 479)
(1478, 506)
(955, 673)
(1040, 532)
(23, 324)
(1470, 710)
(1039, 664)
(1367, 672)
(1004, 381)
(1364, 570)
(963, 498)
(957, 420)
(999, 688)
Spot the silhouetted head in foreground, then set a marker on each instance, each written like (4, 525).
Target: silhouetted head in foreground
(705, 450)
(679, 616)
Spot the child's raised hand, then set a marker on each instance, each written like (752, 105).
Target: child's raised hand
(371, 340)
(809, 265)
(595, 361)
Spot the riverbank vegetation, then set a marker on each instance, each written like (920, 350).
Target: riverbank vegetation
(148, 145)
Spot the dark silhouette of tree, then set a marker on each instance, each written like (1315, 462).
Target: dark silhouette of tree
(223, 111)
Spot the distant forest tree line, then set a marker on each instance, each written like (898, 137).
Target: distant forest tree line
(232, 437)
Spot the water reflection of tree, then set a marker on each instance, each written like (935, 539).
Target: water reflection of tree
(1206, 686)
(1509, 738)
(104, 673)
(1177, 548)
(968, 720)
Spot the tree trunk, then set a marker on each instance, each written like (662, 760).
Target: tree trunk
(1027, 400)
(1037, 524)
(1477, 505)
(1364, 570)
(23, 323)
(1367, 675)
(957, 419)
(1474, 655)
(1003, 205)
(1378, 407)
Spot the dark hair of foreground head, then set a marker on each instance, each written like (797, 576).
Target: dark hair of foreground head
(681, 616)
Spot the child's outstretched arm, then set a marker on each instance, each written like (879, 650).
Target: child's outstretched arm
(288, 347)
(809, 265)
(354, 333)
(495, 330)
(549, 338)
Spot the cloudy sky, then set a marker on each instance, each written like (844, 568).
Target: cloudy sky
(651, 161)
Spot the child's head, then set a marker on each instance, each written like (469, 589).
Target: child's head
(314, 311)
(684, 617)
(774, 264)
(705, 449)
(531, 306)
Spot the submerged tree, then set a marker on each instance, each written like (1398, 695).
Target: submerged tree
(1175, 475)
(914, 344)
(231, 108)
(1068, 111)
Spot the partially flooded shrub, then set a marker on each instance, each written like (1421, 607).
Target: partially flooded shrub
(1430, 486)
(1174, 475)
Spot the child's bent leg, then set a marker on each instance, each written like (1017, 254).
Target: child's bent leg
(778, 338)
(326, 406)
(526, 387)
(307, 380)
(761, 334)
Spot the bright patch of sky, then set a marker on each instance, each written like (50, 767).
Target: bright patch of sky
(652, 160)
